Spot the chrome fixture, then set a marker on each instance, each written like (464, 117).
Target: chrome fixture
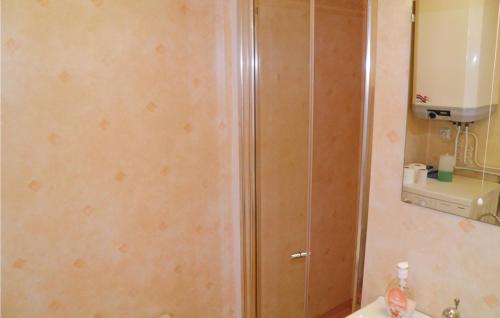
(452, 312)
(298, 255)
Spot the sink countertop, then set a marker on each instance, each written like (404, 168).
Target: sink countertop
(377, 310)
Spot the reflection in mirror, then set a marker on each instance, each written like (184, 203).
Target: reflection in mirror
(452, 154)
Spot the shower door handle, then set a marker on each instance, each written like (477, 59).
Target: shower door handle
(298, 255)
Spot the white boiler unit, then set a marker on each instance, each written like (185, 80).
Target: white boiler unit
(454, 59)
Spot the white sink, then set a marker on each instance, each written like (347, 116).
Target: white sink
(377, 310)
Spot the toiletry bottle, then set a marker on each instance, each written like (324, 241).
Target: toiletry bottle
(446, 165)
(398, 298)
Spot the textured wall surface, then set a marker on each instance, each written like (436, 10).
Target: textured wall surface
(449, 256)
(119, 163)
(338, 94)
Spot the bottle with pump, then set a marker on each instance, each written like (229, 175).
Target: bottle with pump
(398, 298)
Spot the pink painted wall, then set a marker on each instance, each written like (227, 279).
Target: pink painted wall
(119, 159)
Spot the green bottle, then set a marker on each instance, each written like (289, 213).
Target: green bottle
(445, 171)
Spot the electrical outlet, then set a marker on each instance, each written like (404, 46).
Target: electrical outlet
(445, 134)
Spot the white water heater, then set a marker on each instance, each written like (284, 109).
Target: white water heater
(454, 59)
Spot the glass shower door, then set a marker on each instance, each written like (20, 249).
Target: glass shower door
(309, 119)
(339, 56)
(282, 151)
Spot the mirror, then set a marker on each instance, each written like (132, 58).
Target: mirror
(452, 153)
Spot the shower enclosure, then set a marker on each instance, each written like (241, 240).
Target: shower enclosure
(306, 93)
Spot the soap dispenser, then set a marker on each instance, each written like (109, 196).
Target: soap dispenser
(452, 312)
(398, 298)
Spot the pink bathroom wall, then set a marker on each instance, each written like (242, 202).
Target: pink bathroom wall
(119, 159)
(449, 256)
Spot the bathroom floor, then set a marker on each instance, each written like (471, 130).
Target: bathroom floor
(340, 311)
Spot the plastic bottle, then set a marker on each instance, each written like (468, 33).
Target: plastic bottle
(398, 298)
(446, 165)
